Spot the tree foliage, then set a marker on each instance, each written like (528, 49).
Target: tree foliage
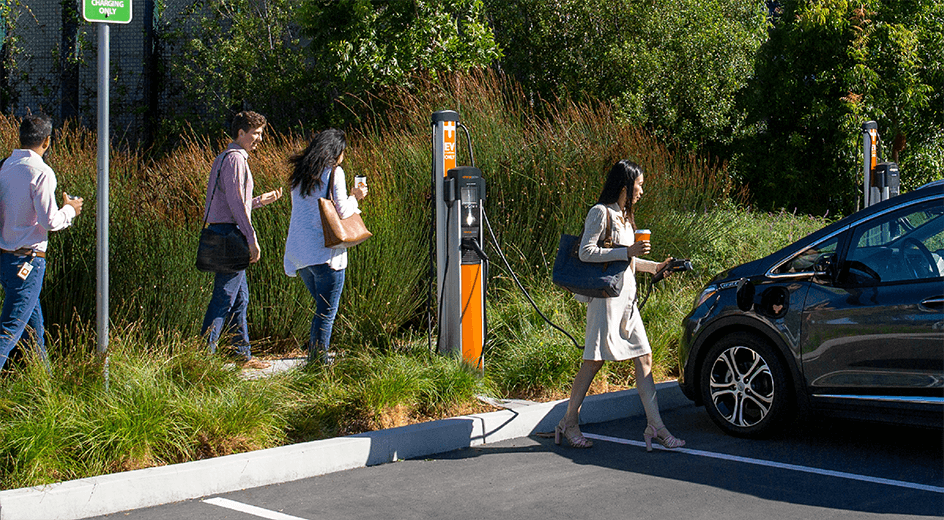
(782, 95)
(672, 65)
(358, 45)
(235, 55)
(293, 60)
(828, 67)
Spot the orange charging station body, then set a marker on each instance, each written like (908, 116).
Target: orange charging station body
(880, 179)
(460, 277)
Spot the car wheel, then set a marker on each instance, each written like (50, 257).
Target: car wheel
(744, 386)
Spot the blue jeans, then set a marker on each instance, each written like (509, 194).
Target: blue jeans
(21, 305)
(226, 312)
(325, 285)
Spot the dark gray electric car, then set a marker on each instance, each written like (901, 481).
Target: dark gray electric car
(848, 321)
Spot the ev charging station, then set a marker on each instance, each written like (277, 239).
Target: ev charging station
(881, 180)
(461, 265)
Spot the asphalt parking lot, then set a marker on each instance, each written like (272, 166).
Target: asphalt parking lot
(822, 468)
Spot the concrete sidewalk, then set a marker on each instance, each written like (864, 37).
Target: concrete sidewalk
(117, 492)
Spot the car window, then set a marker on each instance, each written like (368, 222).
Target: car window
(804, 262)
(904, 245)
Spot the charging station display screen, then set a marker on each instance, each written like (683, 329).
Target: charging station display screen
(469, 195)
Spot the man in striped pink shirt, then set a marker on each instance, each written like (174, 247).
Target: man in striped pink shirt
(231, 206)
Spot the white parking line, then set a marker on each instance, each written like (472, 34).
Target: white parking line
(248, 509)
(779, 465)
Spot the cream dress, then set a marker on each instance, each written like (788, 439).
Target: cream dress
(614, 327)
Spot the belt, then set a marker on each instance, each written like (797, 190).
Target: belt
(25, 251)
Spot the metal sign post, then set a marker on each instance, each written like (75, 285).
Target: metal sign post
(447, 225)
(869, 159)
(103, 12)
(101, 215)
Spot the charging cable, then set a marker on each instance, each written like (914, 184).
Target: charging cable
(468, 138)
(675, 265)
(518, 282)
(432, 240)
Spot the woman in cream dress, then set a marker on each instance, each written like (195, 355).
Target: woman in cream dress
(615, 331)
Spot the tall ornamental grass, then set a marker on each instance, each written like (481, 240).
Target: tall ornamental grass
(169, 402)
(542, 173)
(163, 405)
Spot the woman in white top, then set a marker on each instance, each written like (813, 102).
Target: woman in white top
(320, 268)
(615, 330)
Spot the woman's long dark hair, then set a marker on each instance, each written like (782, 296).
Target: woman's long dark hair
(622, 175)
(323, 152)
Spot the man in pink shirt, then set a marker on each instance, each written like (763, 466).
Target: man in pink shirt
(28, 211)
(231, 206)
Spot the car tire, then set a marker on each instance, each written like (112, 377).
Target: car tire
(744, 386)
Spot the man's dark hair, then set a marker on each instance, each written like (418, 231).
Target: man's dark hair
(34, 129)
(246, 121)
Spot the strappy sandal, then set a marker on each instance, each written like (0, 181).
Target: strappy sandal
(662, 436)
(576, 440)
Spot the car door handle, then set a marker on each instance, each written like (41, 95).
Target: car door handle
(933, 302)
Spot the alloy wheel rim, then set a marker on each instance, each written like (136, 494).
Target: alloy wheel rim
(741, 386)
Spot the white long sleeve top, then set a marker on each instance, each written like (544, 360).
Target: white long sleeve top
(615, 330)
(622, 234)
(304, 245)
(28, 209)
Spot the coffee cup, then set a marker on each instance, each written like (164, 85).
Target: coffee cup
(360, 181)
(643, 234)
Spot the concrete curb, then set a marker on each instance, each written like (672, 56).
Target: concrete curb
(117, 492)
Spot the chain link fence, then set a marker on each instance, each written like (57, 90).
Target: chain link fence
(50, 63)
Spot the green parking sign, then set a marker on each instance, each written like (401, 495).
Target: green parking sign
(107, 11)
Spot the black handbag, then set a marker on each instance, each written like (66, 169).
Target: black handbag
(593, 279)
(221, 252)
